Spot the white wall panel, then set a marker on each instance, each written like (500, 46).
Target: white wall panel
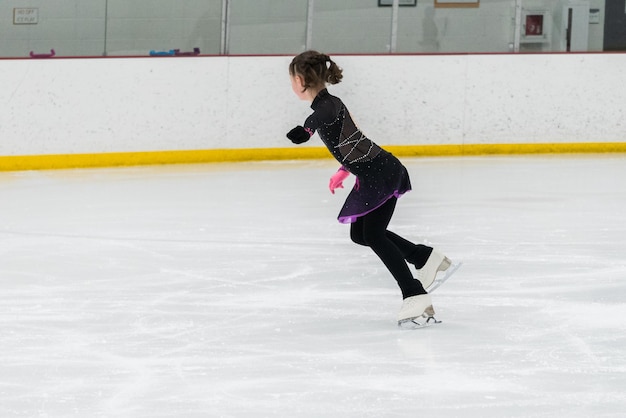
(72, 106)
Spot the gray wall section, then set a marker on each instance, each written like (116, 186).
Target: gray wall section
(615, 26)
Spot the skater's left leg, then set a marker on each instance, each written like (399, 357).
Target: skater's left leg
(371, 230)
(416, 254)
(427, 260)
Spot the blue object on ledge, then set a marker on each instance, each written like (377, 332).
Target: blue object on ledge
(169, 53)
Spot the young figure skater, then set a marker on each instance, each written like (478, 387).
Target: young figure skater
(380, 180)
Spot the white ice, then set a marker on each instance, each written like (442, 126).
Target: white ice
(229, 290)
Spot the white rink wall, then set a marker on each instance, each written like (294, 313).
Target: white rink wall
(103, 105)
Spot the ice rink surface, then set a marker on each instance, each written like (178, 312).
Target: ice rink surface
(229, 290)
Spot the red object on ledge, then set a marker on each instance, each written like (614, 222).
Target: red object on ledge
(50, 55)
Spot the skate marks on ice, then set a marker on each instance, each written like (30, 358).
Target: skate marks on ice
(142, 295)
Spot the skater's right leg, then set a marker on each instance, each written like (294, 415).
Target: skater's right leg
(370, 230)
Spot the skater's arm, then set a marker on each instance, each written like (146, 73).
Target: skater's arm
(301, 134)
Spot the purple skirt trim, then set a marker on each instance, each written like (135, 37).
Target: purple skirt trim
(352, 218)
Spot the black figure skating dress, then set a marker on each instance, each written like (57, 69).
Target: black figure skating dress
(379, 174)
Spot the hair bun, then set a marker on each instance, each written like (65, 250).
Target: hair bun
(316, 68)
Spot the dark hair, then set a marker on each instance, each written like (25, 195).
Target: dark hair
(316, 69)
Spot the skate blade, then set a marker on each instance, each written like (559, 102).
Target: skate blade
(417, 322)
(441, 279)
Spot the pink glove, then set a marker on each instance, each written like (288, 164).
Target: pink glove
(336, 181)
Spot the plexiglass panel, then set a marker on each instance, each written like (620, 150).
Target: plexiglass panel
(267, 26)
(139, 27)
(429, 29)
(351, 26)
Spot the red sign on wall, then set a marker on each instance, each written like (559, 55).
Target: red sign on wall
(534, 25)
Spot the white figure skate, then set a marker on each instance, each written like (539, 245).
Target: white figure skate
(416, 312)
(436, 262)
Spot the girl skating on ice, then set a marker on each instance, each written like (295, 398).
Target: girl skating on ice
(380, 180)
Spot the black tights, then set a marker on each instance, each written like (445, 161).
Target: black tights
(371, 231)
